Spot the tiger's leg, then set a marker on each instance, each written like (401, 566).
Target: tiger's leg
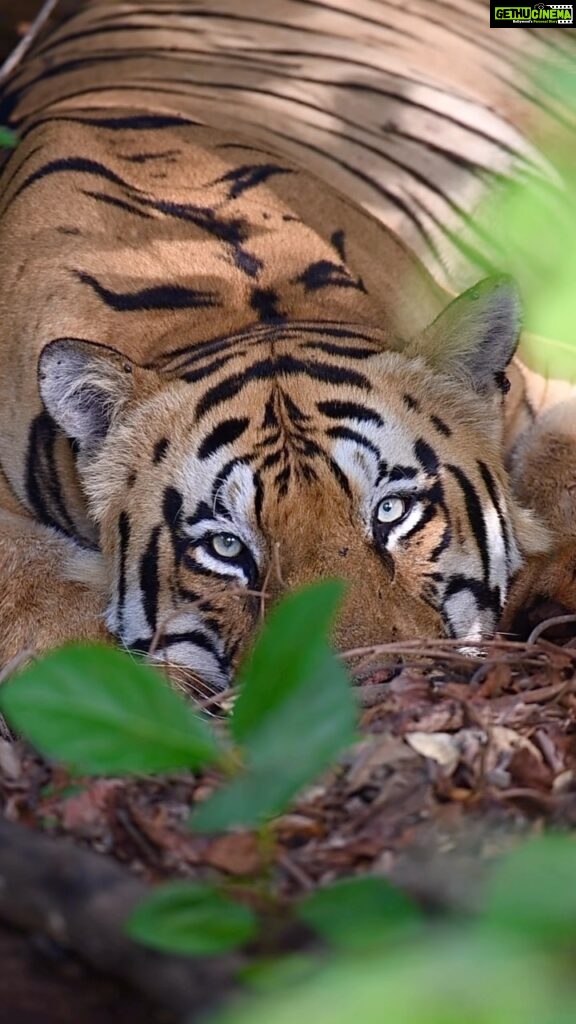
(51, 592)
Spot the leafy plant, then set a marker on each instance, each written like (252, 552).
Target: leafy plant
(532, 894)
(102, 712)
(105, 714)
(510, 964)
(450, 979)
(295, 712)
(359, 913)
(181, 917)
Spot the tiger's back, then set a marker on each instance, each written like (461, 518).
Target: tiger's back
(411, 113)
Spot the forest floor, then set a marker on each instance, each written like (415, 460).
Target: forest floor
(460, 757)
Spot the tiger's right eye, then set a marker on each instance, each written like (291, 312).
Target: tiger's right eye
(391, 510)
(226, 545)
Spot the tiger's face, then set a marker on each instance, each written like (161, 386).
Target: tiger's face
(321, 456)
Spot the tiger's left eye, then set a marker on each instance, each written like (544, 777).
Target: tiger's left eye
(391, 510)
(226, 545)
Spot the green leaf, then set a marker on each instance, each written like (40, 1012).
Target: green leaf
(295, 712)
(356, 913)
(535, 232)
(552, 358)
(295, 742)
(453, 980)
(105, 713)
(532, 893)
(289, 650)
(529, 223)
(190, 919)
(267, 974)
(8, 138)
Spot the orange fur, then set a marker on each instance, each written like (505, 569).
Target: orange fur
(126, 253)
(40, 608)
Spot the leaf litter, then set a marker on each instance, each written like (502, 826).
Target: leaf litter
(459, 757)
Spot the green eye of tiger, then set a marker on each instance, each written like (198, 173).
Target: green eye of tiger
(391, 510)
(226, 545)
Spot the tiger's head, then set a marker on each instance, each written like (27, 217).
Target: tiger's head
(245, 467)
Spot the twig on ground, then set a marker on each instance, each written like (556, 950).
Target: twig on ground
(296, 872)
(542, 627)
(538, 696)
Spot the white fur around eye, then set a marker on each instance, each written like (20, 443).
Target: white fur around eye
(391, 510)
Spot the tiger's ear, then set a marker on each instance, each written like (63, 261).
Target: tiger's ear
(84, 387)
(475, 337)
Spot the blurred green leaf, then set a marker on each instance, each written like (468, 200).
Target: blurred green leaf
(532, 893)
(356, 913)
(193, 920)
(294, 714)
(8, 138)
(99, 710)
(536, 231)
(289, 649)
(455, 980)
(530, 224)
(267, 974)
(296, 741)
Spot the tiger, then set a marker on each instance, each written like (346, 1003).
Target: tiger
(242, 347)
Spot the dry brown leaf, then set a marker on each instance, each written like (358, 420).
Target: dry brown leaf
(445, 716)
(10, 762)
(297, 826)
(373, 754)
(503, 741)
(85, 813)
(441, 747)
(237, 853)
(565, 782)
(529, 771)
